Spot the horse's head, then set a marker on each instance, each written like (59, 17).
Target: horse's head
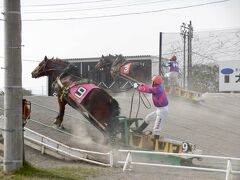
(105, 61)
(41, 69)
(47, 66)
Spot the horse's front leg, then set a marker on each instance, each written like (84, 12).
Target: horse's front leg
(59, 119)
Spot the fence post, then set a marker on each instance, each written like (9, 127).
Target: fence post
(43, 148)
(128, 160)
(229, 169)
(111, 158)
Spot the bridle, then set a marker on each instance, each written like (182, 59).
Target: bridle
(45, 70)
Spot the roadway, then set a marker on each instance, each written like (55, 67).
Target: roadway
(212, 124)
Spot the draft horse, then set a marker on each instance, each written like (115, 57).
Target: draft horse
(120, 66)
(102, 109)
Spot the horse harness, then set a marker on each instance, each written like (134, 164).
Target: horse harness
(120, 66)
(66, 91)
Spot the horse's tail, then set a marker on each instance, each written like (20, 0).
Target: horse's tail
(115, 109)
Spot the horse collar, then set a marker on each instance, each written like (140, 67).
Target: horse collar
(78, 89)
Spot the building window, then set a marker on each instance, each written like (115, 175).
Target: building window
(226, 79)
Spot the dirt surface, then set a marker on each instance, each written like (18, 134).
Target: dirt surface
(212, 124)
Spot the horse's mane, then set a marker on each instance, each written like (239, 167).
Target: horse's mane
(110, 58)
(119, 60)
(60, 61)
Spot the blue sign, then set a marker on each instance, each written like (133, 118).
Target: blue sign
(227, 71)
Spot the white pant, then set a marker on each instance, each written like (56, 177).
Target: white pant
(173, 78)
(159, 115)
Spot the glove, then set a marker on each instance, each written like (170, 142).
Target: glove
(135, 85)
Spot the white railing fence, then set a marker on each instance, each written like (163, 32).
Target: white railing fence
(80, 154)
(128, 163)
(56, 147)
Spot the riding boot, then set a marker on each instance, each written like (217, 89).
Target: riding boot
(140, 128)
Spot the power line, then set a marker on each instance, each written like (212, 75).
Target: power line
(222, 29)
(97, 8)
(204, 56)
(209, 30)
(127, 14)
(64, 4)
(29, 60)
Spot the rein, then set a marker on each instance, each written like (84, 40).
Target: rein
(140, 99)
(141, 96)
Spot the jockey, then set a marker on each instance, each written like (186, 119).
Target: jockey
(173, 71)
(160, 101)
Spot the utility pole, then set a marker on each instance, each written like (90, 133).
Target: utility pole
(183, 33)
(187, 31)
(13, 132)
(190, 36)
(160, 53)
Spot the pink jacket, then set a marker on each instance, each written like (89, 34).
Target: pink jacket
(158, 94)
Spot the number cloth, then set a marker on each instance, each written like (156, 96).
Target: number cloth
(80, 91)
(124, 70)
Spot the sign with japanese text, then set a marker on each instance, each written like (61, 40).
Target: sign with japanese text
(229, 76)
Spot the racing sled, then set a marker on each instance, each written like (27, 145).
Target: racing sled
(145, 141)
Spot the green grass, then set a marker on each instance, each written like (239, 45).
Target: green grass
(64, 173)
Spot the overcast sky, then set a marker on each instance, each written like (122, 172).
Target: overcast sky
(90, 28)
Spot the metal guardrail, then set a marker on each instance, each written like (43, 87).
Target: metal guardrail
(56, 147)
(129, 161)
(80, 154)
